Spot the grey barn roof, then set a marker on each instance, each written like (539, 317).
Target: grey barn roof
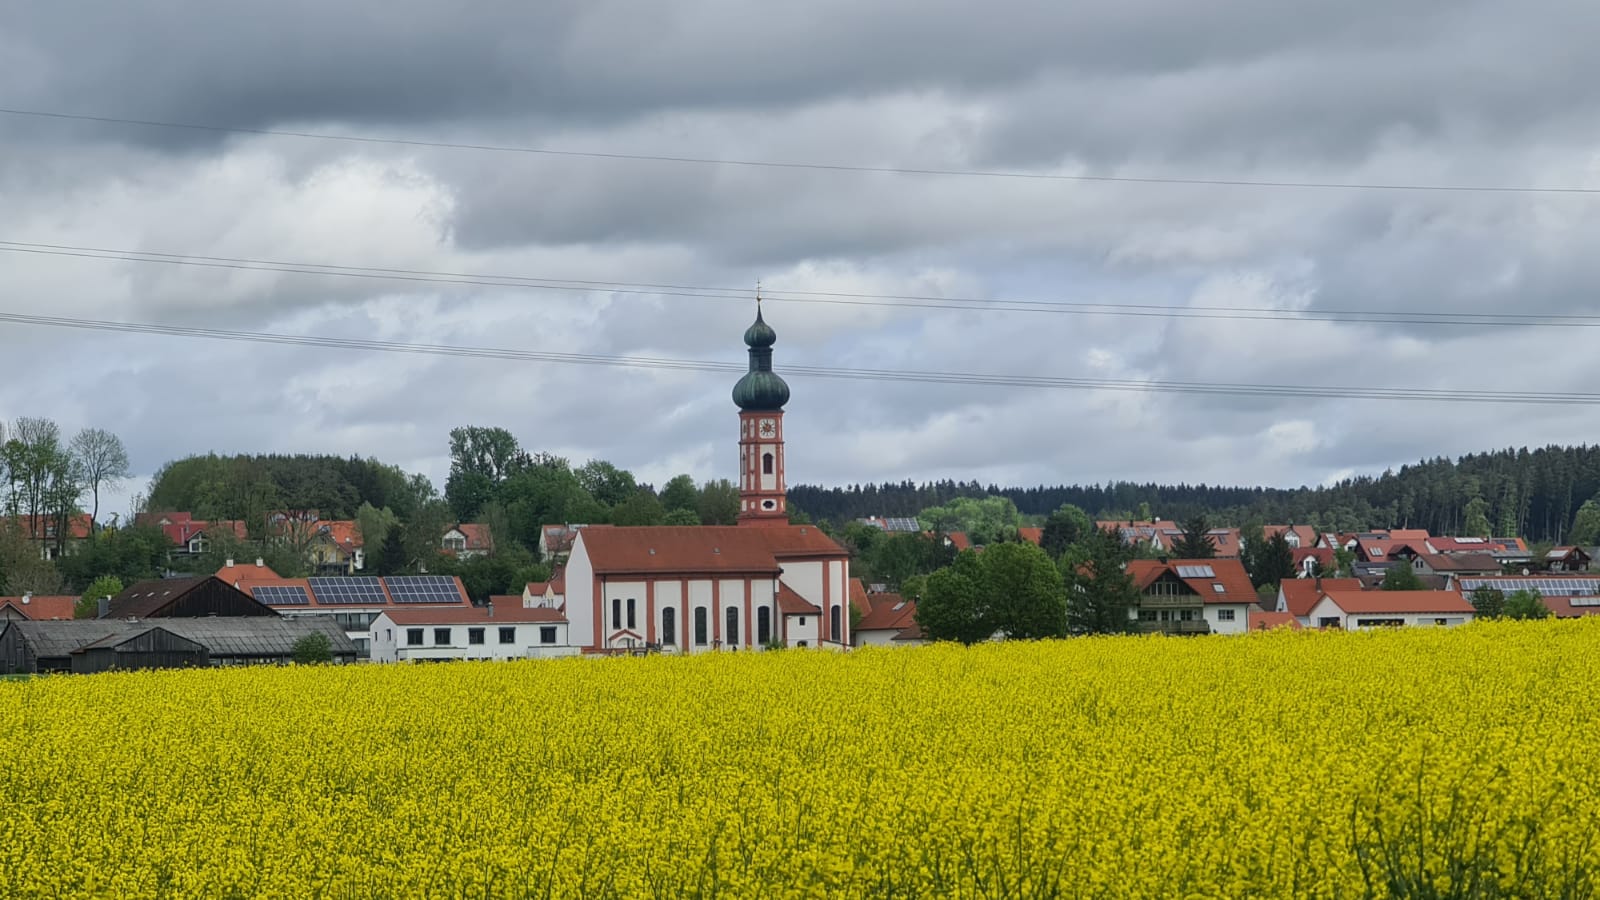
(221, 636)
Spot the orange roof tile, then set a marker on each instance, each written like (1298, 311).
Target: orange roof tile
(890, 612)
(511, 612)
(43, 527)
(1260, 620)
(858, 596)
(1377, 602)
(1031, 535)
(1229, 573)
(792, 604)
(704, 548)
(40, 608)
(1300, 594)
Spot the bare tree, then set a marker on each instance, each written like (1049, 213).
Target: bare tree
(103, 461)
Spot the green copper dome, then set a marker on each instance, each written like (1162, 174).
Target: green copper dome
(760, 390)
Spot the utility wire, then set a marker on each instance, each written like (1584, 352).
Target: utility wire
(742, 295)
(821, 167)
(1428, 395)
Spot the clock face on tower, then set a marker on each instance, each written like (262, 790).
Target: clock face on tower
(767, 428)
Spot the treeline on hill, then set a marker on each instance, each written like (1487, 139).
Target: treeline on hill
(402, 517)
(1529, 493)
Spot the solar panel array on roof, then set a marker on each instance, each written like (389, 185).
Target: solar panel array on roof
(355, 591)
(1196, 572)
(281, 595)
(1548, 587)
(423, 589)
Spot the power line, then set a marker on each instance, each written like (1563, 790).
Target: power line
(741, 295)
(1539, 398)
(820, 167)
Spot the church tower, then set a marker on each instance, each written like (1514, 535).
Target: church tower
(760, 396)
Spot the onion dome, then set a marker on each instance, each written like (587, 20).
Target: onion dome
(760, 390)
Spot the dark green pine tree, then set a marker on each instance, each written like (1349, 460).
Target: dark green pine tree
(1196, 542)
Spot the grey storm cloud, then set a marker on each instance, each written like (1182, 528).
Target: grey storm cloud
(1427, 93)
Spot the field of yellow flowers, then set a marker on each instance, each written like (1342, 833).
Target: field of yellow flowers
(1416, 762)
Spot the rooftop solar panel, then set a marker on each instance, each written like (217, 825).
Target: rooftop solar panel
(423, 589)
(281, 595)
(353, 591)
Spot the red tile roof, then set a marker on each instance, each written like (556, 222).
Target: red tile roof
(1306, 534)
(1408, 534)
(912, 632)
(180, 527)
(792, 604)
(1031, 535)
(1260, 620)
(1230, 573)
(1300, 594)
(858, 596)
(511, 612)
(239, 575)
(1461, 562)
(38, 608)
(1323, 555)
(346, 534)
(1566, 608)
(477, 535)
(1378, 602)
(959, 540)
(44, 527)
(693, 549)
(890, 612)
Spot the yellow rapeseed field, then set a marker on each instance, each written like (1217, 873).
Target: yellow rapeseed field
(1424, 762)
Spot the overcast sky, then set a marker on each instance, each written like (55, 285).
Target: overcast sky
(1457, 92)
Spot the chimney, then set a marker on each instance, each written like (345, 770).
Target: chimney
(27, 597)
(490, 607)
(260, 563)
(105, 607)
(229, 563)
(1319, 584)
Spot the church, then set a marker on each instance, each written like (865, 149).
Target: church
(695, 589)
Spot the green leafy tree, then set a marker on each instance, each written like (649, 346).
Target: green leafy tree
(391, 558)
(1066, 526)
(423, 535)
(1196, 542)
(1488, 602)
(641, 508)
(374, 525)
(1344, 562)
(681, 517)
(985, 520)
(88, 606)
(480, 459)
(718, 504)
(1023, 592)
(134, 553)
(1100, 592)
(1477, 518)
(1400, 577)
(1526, 604)
(680, 493)
(896, 557)
(1586, 524)
(952, 607)
(607, 484)
(312, 649)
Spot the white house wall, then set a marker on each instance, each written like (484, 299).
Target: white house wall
(1239, 624)
(580, 596)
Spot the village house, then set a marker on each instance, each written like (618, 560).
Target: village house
(190, 536)
(1567, 559)
(1192, 596)
(467, 540)
(891, 621)
(503, 629)
(1297, 597)
(55, 537)
(1566, 594)
(1358, 610)
(1456, 565)
(37, 609)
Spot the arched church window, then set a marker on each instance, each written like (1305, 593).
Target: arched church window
(766, 463)
(732, 635)
(763, 625)
(700, 626)
(834, 631)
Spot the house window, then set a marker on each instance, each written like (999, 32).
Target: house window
(1224, 615)
(630, 612)
(388, 634)
(508, 634)
(616, 613)
(1147, 615)
(455, 543)
(547, 634)
(834, 631)
(763, 625)
(413, 637)
(198, 545)
(1187, 615)
(1328, 622)
(700, 626)
(802, 621)
(731, 635)
(474, 635)
(766, 463)
(669, 626)
(441, 637)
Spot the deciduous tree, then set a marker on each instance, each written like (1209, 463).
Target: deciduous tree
(102, 460)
